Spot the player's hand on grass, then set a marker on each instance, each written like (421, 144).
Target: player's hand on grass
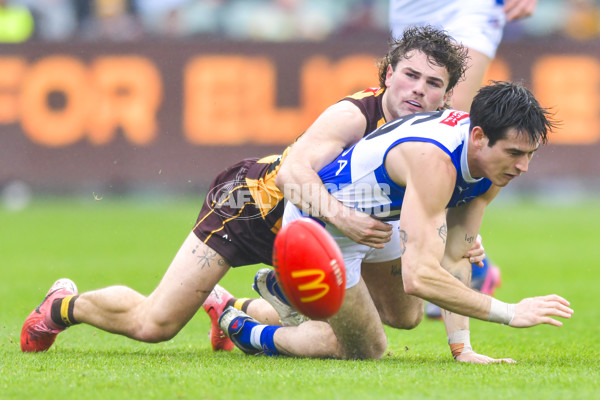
(475, 358)
(476, 254)
(540, 310)
(363, 229)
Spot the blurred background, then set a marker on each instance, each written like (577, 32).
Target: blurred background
(113, 97)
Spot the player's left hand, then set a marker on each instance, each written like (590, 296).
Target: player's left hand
(517, 9)
(474, 358)
(540, 310)
(476, 254)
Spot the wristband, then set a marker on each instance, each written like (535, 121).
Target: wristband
(460, 342)
(502, 313)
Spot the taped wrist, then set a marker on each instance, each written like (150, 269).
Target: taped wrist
(460, 342)
(502, 313)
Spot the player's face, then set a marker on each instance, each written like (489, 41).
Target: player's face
(507, 158)
(414, 85)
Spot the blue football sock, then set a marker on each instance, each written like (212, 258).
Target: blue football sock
(267, 342)
(258, 336)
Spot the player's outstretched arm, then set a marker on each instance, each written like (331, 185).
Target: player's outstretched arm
(339, 127)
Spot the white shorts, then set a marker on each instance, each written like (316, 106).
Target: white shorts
(354, 254)
(477, 24)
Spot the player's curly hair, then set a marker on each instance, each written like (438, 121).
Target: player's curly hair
(441, 49)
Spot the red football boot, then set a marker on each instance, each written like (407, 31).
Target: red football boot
(492, 280)
(214, 305)
(39, 332)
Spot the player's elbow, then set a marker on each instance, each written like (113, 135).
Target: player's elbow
(412, 287)
(285, 181)
(417, 279)
(281, 178)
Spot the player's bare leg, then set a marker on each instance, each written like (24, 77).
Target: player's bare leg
(396, 308)
(314, 339)
(354, 332)
(357, 325)
(193, 273)
(384, 280)
(272, 309)
(263, 312)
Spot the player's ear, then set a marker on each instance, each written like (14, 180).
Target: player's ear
(479, 138)
(445, 102)
(388, 75)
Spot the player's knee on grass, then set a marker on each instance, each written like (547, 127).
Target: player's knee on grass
(407, 319)
(362, 342)
(372, 350)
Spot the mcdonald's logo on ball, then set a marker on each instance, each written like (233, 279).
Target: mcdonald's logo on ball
(310, 268)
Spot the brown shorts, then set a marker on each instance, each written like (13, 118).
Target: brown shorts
(231, 224)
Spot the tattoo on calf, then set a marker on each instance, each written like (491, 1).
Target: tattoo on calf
(443, 232)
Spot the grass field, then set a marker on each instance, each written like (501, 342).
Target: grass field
(541, 248)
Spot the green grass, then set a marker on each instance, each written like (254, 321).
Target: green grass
(542, 249)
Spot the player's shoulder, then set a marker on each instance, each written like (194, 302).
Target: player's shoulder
(341, 123)
(368, 93)
(424, 163)
(368, 101)
(447, 126)
(444, 118)
(450, 117)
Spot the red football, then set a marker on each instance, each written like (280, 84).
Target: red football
(310, 268)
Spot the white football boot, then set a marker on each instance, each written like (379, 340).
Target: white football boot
(264, 282)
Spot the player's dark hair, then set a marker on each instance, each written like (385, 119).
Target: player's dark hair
(500, 106)
(441, 49)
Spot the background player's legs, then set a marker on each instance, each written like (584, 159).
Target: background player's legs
(465, 90)
(191, 276)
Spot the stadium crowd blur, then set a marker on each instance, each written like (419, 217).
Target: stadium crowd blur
(260, 20)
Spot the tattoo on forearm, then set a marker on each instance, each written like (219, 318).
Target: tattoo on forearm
(469, 239)
(443, 232)
(396, 269)
(403, 240)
